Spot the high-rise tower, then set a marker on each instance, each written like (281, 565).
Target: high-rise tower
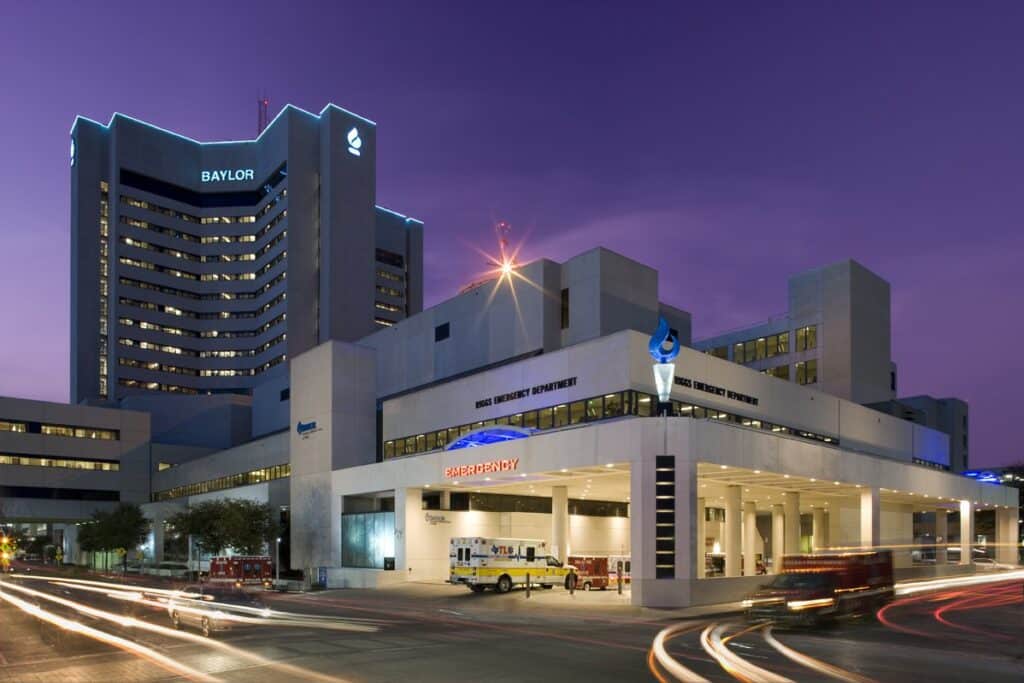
(196, 267)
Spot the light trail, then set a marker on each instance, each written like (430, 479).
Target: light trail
(736, 666)
(260, 616)
(812, 663)
(908, 588)
(132, 622)
(667, 661)
(104, 637)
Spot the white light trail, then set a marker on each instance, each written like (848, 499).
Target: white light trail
(812, 663)
(667, 661)
(711, 641)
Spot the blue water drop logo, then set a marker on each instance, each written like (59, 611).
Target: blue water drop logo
(657, 345)
(355, 143)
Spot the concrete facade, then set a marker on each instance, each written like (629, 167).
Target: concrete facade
(849, 308)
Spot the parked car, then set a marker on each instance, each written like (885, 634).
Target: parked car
(212, 608)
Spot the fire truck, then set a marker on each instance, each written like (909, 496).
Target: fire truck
(242, 570)
(814, 587)
(502, 563)
(592, 572)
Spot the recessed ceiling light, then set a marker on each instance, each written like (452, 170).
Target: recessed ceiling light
(757, 471)
(565, 469)
(487, 478)
(785, 476)
(456, 483)
(724, 467)
(813, 479)
(609, 465)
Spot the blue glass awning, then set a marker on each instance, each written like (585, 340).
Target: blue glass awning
(485, 436)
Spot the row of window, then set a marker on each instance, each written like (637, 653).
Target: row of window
(65, 463)
(214, 296)
(203, 239)
(70, 431)
(155, 386)
(388, 275)
(202, 334)
(384, 322)
(202, 277)
(217, 315)
(190, 218)
(205, 258)
(760, 348)
(104, 287)
(928, 463)
(768, 346)
(388, 291)
(587, 410)
(227, 482)
(220, 353)
(391, 308)
(195, 372)
(390, 258)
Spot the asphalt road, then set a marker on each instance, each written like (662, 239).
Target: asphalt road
(444, 634)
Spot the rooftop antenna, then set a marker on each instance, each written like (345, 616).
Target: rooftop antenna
(262, 102)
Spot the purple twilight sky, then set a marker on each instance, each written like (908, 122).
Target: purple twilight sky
(728, 147)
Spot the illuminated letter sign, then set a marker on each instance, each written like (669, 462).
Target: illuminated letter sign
(227, 174)
(462, 471)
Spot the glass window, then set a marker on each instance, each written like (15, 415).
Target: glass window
(612, 405)
(595, 408)
(644, 404)
(771, 345)
(421, 443)
(410, 445)
(431, 441)
(783, 342)
(720, 352)
(750, 351)
(501, 420)
(516, 420)
(577, 412)
(737, 352)
(530, 419)
(389, 449)
(812, 337)
(463, 430)
(453, 434)
(762, 348)
(544, 418)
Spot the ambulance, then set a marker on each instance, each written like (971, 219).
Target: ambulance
(502, 563)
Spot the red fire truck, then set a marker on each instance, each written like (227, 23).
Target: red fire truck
(820, 586)
(591, 572)
(242, 570)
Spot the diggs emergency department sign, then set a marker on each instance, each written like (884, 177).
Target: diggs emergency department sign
(460, 471)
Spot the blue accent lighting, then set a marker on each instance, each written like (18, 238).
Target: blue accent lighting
(485, 436)
(657, 346)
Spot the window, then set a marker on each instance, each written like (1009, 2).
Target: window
(807, 372)
(6, 426)
(545, 418)
(577, 412)
(807, 338)
(595, 409)
(737, 353)
(286, 393)
(390, 258)
(442, 332)
(565, 308)
(780, 371)
(561, 415)
(720, 352)
(612, 405)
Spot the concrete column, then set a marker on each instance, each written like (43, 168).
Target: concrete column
(158, 541)
(792, 508)
(966, 532)
(733, 531)
(778, 537)
(819, 530)
(408, 517)
(699, 556)
(749, 538)
(941, 537)
(870, 517)
(560, 522)
(446, 499)
(1006, 535)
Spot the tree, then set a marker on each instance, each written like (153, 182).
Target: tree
(216, 525)
(123, 528)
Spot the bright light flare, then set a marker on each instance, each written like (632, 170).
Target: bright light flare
(711, 641)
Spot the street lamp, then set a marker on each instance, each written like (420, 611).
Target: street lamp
(277, 562)
(664, 368)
